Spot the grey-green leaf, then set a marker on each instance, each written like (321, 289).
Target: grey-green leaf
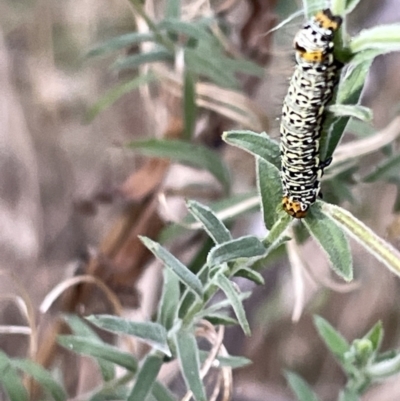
(336, 343)
(351, 5)
(170, 261)
(232, 361)
(137, 60)
(146, 378)
(81, 329)
(98, 350)
(300, 387)
(357, 111)
(387, 170)
(149, 332)
(212, 225)
(243, 247)
(375, 336)
(371, 242)
(331, 238)
(349, 92)
(169, 299)
(234, 297)
(115, 93)
(161, 393)
(251, 275)
(183, 152)
(43, 377)
(270, 189)
(10, 380)
(383, 37)
(120, 42)
(188, 355)
(257, 144)
(189, 103)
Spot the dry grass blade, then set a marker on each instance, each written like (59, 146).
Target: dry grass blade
(24, 304)
(363, 147)
(228, 103)
(16, 330)
(57, 291)
(297, 269)
(229, 212)
(208, 331)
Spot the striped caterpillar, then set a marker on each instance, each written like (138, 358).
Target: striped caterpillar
(311, 87)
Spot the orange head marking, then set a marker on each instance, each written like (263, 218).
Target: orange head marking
(327, 20)
(294, 208)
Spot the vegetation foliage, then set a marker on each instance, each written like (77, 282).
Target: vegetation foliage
(188, 297)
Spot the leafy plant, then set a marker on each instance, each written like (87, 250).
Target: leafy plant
(361, 361)
(187, 300)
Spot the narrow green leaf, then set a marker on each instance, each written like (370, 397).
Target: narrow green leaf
(220, 319)
(43, 377)
(98, 350)
(82, 329)
(387, 170)
(183, 152)
(375, 336)
(210, 67)
(270, 189)
(251, 275)
(110, 393)
(233, 296)
(348, 93)
(135, 61)
(10, 380)
(384, 369)
(257, 144)
(352, 82)
(169, 299)
(226, 209)
(120, 42)
(212, 225)
(192, 30)
(311, 7)
(349, 395)
(220, 305)
(383, 37)
(276, 235)
(146, 378)
(149, 332)
(338, 7)
(189, 103)
(336, 343)
(184, 274)
(173, 9)
(371, 242)
(331, 239)
(300, 387)
(232, 361)
(161, 393)
(116, 93)
(351, 5)
(365, 56)
(188, 355)
(244, 247)
(356, 111)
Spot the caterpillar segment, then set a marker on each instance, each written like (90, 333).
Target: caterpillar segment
(311, 88)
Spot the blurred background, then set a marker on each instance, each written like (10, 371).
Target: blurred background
(73, 197)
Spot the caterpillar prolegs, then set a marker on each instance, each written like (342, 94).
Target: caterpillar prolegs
(311, 87)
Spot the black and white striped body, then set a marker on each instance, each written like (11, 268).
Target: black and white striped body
(311, 88)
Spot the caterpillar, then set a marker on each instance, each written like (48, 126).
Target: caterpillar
(311, 88)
